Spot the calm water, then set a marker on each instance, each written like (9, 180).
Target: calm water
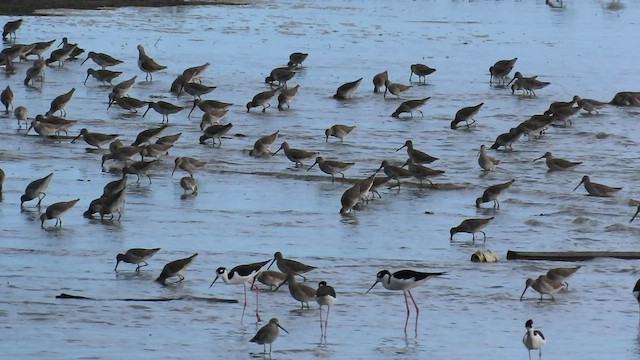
(249, 208)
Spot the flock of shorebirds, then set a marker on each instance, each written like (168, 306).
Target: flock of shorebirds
(149, 144)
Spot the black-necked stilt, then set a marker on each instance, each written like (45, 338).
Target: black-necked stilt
(404, 280)
(268, 334)
(241, 274)
(533, 339)
(289, 266)
(636, 291)
(543, 285)
(562, 274)
(175, 268)
(325, 295)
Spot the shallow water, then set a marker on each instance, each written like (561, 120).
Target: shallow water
(248, 208)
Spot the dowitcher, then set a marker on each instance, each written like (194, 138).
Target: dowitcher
(94, 138)
(562, 274)
(121, 89)
(422, 71)
(332, 167)
(214, 132)
(557, 164)
(285, 97)
(533, 339)
(421, 172)
(281, 75)
(560, 104)
(501, 69)
(296, 155)
(45, 129)
(544, 285)
(268, 334)
(56, 210)
(595, 189)
(271, 278)
(212, 117)
(564, 114)
(262, 99)
(188, 164)
(35, 73)
(194, 72)
(405, 280)
(589, 104)
(290, 266)
(10, 28)
(105, 76)
(147, 64)
(36, 189)
(195, 89)
(350, 198)
(164, 108)
(6, 97)
(338, 131)
(136, 256)
(296, 59)
(128, 103)
(188, 183)
(175, 268)
(465, 114)
(67, 45)
(379, 80)
(21, 113)
(377, 183)
(112, 204)
(60, 55)
(485, 161)
(416, 155)
(507, 139)
(325, 296)
(527, 84)
(145, 136)
(410, 106)
(123, 153)
(471, 226)
(300, 292)
(394, 172)
(155, 150)
(395, 88)
(138, 168)
(206, 105)
(168, 139)
(103, 60)
(345, 91)
(60, 102)
(262, 146)
(492, 192)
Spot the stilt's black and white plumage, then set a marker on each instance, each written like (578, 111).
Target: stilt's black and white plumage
(242, 274)
(325, 295)
(533, 339)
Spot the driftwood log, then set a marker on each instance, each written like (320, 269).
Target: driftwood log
(570, 255)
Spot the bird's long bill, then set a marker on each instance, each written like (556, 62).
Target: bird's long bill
(314, 164)
(541, 158)
(76, 138)
(30, 127)
(402, 147)
(174, 169)
(116, 268)
(283, 329)
(380, 168)
(525, 290)
(193, 108)
(274, 154)
(374, 284)
(85, 60)
(282, 283)
(272, 261)
(513, 78)
(214, 280)
(85, 83)
(574, 189)
(145, 113)
(634, 215)
(61, 42)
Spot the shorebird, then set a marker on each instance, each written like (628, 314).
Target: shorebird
(114, 187)
(527, 84)
(10, 28)
(410, 106)
(394, 172)
(421, 172)
(262, 146)
(212, 117)
(636, 291)
(195, 89)
(325, 295)
(112, 204)
(105, 76)
(262, 99)
(56, 210)
(332, 167)
(6, 97)
(557, 164)
(492, 192)
(60, 102)
(214, 132)
(103, 60)
(555, 5)
(60, 55)
(121, 89)
(365, 186)
(501, 69)
(377, 183)
(533, 339)
(465, 114)
(122, 153)
(147, 64)
(422, 71)
(94, 138)
(281, 75)
(595, 189)
(507, 139)
(416, 155)
(379, 80)
(168, 139)
(21, 113)
(271, 278)
(206, 105)
(405, 280)
(155, 150)
(345, 91)
(35, 189)
(338, 131)
(145, 136)
(45, 129)
(544, 285)
(194, 72)
(560, 104)
(296, 155)
(188, 164)
(35, 73)
(242, 274)
(285, 97)
(268, 334)
(136, 256)
(299, 292)
(188, 183)
(138, 168)
(175, 268)
(589, 104)
(296, 59)
(350, 198)
(563, 114)
(94, 207)
(67, 45)
(485, 161)
(395, 88)
(164, 108)
(562, 274)
(471, 226)
(128, 103)
(290, 266)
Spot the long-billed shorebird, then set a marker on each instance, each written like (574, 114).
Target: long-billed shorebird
(296, 155)
(94, 138)
(175, 268)
(271, 278)
(296, 59)
(422, 71)
(121, 89)
(188, 164)
(595, 189)
(416, 155)
(492, 192)
(56, 210)
(557, 164)
(395, 88)
(332, 167)
(147, 64)
(405, 280)
(300, 292)
(35, 73)
(138, 168)
(75, 49)
(501, 69)
(188, 183)
(102, 75)
(346, 90)
(136, 256)
(262, 99)
(212, 117)
(262, 146)
(325, 296)
(164, 108)
(168, 139)
(145, 136)
(533, 339)
(206, 105)
(6, 97)
(195, 89)
(379, 80)
(268, 334)
(60, 102)
(350, 198)
(507, 139)
(562, 274)
(422, 172)
(589, 104)
(128, 103)
(101, 59)
(36, 189)
(410, 106)
(471, 226)
(394, 172)
(193, 73)
(61, 55)
(286, 95)
(281, 75)
(214, 132)
(563, 113)
(338, 131)
(544, 285)
(290, 266)
(113, 203)
(527, 84)
(21, 113)
(10, 28)
(486, 162)
(465, 114)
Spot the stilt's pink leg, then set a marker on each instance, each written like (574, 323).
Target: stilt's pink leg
(326, 322)
(244, 307)
(417, 309)
(406, 301)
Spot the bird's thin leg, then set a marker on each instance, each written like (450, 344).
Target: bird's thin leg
(326, 321)
(484, 236)
(321, 324)
(406, 302)
(417, 309)
(244, 307)
(257, 293)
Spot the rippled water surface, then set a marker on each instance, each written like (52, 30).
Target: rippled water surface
(248, 208)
